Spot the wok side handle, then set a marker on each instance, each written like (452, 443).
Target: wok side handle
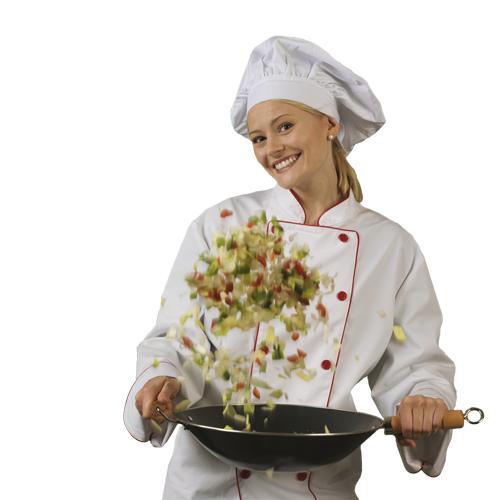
(159, 409)
(452, 419)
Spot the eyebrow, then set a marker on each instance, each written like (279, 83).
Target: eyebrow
(277, 118)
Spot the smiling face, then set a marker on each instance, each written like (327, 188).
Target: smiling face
(292, 144)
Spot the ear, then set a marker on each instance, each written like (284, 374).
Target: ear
(333, 127)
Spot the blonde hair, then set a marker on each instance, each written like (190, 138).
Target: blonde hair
(346, 175)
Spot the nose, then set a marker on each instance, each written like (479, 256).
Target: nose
(274, 146)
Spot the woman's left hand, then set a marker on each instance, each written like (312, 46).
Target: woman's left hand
(420, 417)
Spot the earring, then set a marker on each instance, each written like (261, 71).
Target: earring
(330, 137)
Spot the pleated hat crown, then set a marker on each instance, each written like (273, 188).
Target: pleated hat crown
(298, 70)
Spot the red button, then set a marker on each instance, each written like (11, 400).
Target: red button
(326, 365)
(343, 237)
(341, 295)
(245, 474)
(302, 476)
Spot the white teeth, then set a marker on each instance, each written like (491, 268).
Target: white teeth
(285, 163)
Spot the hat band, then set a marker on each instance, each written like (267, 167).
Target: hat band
(297, 89)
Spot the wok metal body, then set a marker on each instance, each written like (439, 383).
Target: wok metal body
(292, 439)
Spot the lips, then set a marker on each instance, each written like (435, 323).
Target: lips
(279, 168)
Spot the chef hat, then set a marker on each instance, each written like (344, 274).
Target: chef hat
(298, 70)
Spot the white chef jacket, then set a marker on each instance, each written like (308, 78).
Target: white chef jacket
(385, 280)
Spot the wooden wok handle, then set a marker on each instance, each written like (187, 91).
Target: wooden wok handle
(155, 405)
(452, 419)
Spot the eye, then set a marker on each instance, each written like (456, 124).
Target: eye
(257, 140)
(286, 125)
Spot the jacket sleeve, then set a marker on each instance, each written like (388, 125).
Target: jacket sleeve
(416, 365)
(170, 352)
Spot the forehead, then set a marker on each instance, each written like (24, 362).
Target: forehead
(265, 112)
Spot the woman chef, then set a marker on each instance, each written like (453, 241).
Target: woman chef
(303, 112)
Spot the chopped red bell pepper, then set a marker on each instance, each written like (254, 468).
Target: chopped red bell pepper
(301, 353)
(258, 361)
(293, 358)
(251, 224)
(262, 260)
(321, 308)
(240, 385)
(295, 335)
(264, 348)
(226, 213)
(260, 277)
(229, 286)
(187, 342)
(299, 268)
(256, 392)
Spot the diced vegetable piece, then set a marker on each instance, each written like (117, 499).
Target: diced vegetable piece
(226, 213)
(293, 358)
(270, 335)
(306, 376)
(295, 336)
(249, 408)
(271, 403)
(172, 332)
(263, 366)
(398, 332)
(155, 363)
(256, 392)
(229, 428)
(337, 347)
(277, 393)
(183, 405)
(260, 383)
(322, 310)
(326, 430)
(240, 421)
(381, 313)
(301, 353)
(156, 427)
(270, 472)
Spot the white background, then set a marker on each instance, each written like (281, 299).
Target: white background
(68, 205)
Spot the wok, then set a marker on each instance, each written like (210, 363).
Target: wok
(293, 438)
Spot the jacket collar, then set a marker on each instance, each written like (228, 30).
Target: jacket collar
(289, 208)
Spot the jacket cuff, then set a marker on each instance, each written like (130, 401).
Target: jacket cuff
(429, 455)
(139, 428)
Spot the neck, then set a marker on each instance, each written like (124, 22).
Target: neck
(316, 200)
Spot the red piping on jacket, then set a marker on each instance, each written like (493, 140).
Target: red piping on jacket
(309, 486)
(237, 482)
(348, 310)
(304, 210)
(352, 290)
(254, 347)
(167, 362)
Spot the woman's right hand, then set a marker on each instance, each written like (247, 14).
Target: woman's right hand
(163, 389)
